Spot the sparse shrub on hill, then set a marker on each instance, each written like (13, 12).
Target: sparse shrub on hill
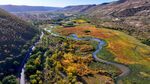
(16, 36)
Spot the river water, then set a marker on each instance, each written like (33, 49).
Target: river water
(124, 69)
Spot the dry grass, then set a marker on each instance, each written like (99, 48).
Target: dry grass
(127, 49)
(98, 79)
(144, 74)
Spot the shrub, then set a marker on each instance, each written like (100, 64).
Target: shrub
(69, 25)
(87, 31)
(9, 80)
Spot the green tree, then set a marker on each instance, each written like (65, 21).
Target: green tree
(33, 81)
(29, 70)
(9, 80)
(23, 51)
(16, 63)
(46, 54)
(33, 77)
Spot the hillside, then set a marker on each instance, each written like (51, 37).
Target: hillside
(131, 16)
(14, 33)
(35, 16)
(130, 7)
(78, 8)
(15, 8)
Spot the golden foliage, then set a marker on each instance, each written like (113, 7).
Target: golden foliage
(37, 61)
(86, 48)
(77, 64)
(144, 74)
(80, 21)
(127, 49)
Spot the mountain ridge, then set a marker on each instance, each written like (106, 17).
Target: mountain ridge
(25, 8)
(76, 8)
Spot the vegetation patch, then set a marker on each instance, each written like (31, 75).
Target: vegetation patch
(121, 48)
(138, 75)
(16, 37)
(55, 61)
(86, 31)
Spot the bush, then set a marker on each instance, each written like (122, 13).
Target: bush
(9, 80)
(30, 70)
(87, 31)
(86, 48)
(16, 63)
(69, 25)
(147, 42)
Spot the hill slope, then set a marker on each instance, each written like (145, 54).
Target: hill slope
(14, 8)
(121, 7)
(130, 16)
(78, 8)
(14, 33)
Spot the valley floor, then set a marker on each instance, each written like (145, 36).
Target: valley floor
(121, 48)
(62, 60)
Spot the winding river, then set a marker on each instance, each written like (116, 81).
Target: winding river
(124, 69)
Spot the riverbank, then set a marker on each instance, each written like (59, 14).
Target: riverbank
(22, 76)
(124, 69)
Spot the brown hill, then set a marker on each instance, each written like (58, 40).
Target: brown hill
(78, 8)
(119, 7)
(130, 16)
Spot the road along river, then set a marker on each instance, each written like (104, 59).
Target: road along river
(22, 76)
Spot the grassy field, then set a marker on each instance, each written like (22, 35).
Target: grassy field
(112, 71)
(121, 48)
(97, 79)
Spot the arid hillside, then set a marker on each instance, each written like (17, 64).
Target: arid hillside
(130, 16)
